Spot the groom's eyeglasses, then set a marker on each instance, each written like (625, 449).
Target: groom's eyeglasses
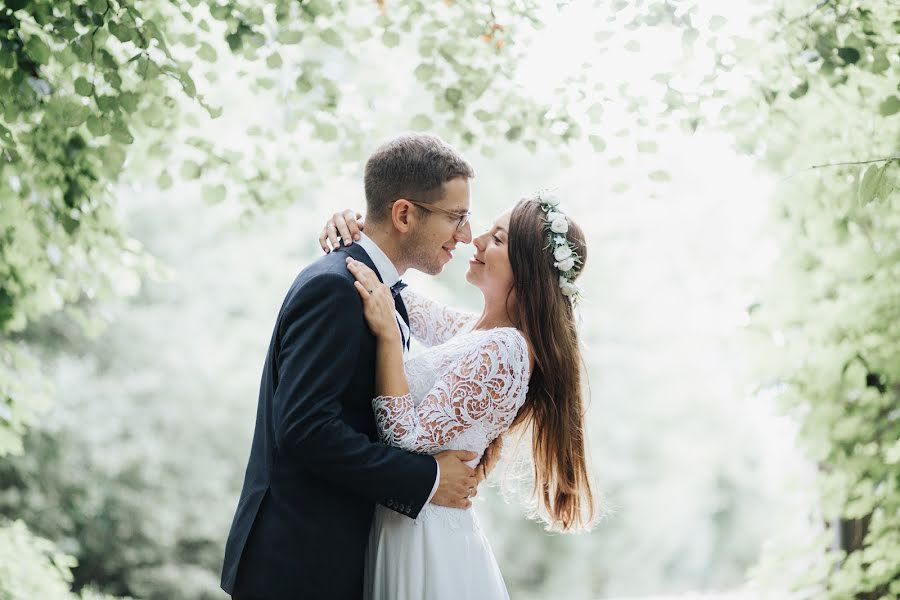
(462, 219)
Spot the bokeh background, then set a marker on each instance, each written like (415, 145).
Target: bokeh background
(166, 167)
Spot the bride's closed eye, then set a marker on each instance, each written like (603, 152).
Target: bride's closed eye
(497, 239)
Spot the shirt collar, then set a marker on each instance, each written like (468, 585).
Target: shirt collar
(387, 270)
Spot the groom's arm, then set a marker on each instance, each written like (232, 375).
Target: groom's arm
(320, 335)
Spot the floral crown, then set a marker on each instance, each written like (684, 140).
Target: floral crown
(567, 260)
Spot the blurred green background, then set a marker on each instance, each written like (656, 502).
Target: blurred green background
(165, 168)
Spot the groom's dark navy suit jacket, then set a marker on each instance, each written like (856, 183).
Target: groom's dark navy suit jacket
(316, 468)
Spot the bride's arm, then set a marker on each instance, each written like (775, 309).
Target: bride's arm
(488, 385)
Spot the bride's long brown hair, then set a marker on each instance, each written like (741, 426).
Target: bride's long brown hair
(554, 409)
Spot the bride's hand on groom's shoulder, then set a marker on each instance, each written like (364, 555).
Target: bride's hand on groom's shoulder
(345, 226)
(378, 302)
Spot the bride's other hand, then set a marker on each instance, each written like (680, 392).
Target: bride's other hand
(378, 302)
(345, 225)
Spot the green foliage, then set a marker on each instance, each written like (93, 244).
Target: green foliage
(833, 307)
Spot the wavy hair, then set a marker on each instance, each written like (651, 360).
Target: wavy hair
(553, 415)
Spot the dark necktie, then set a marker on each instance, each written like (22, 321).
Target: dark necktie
(397, 288)
(401, 308)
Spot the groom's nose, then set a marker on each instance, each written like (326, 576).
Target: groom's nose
(464, 234)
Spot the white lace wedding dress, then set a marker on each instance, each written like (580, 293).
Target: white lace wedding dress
(465, 390)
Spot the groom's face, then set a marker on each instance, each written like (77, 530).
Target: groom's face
(435, 235)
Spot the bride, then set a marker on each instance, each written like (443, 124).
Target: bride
(515, 366)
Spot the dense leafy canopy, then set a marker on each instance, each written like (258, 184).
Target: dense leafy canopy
(88, 88)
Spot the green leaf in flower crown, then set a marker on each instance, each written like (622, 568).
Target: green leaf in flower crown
(890, 106)
(647, 146)
(597, 142)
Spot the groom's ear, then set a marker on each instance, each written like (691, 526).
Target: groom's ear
(400, 214)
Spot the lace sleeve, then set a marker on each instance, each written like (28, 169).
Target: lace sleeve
(431, 322)
(487, 386)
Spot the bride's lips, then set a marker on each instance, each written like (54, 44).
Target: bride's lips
(475, 261)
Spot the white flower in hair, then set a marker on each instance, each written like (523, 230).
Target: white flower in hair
(566, 265)
(562, 252)
(559, 225)
(568, 289)
(549, 198)
(553, 215)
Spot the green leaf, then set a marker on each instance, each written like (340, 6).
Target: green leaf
(660, 176)
(890, 106)
(121, 134)
(164, 181)
(214, 193)
(421, 122)
(289, 36)
(325, 132)
(121, 32)
(6, 135)
(37, 50)
(207, 52)
(597, 142)
(97, 126)
(595, 112)
(189, 170)
(870, 183)
(453, 96)
(332, 38)
(391, 39)
(83, 87)
(273, 61)
(633, 46)
(689, 37)
(716, 22)
(425, 72)
(848, 55)
(647, 146)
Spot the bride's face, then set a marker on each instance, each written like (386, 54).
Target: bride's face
(489, 270)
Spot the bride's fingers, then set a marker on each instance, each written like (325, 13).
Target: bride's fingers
(333, 237)
(341, 228)
(351, 223)
(363, 292)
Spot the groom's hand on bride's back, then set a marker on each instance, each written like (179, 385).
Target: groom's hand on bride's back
(459, 481)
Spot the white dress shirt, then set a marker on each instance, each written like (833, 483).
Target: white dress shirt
(390, 276)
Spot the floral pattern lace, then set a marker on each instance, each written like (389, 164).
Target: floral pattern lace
(432, 323)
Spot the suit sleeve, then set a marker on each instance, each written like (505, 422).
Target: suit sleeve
(321, 330)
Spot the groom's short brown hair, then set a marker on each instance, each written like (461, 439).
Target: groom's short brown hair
(414, 166)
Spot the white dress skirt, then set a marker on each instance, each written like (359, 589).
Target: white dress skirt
(465, 390)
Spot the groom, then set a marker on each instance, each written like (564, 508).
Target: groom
(316, 467)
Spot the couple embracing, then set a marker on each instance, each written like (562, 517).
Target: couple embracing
(365, 458)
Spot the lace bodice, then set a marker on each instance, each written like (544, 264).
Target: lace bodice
(433, 323)
(464, 392)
